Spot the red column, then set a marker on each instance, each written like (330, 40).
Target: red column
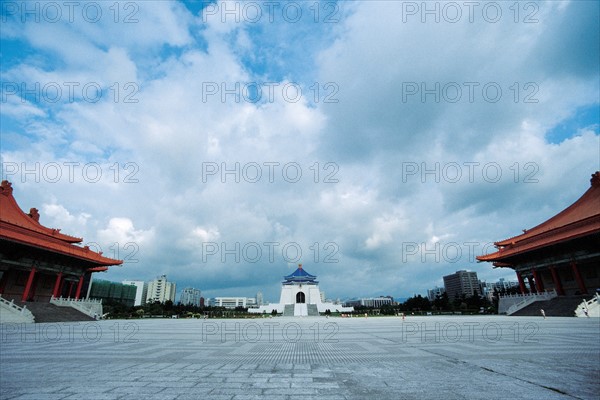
(61, 287)
(79, 285)
(557, 282)
(539, 285)
(532, 287)
(578, 277)
(34, 285)
(28, 285)
(3, 281)
(521, 282)
(70, 289)
(57, 283)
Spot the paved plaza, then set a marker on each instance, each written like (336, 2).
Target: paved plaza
(454, 357)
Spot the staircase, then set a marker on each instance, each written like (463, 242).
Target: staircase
(521, 301)
(288, 310)
(562, 306)
(313, 311)
(46, 312)
(14, 313)
(591, 306)
(300, 310)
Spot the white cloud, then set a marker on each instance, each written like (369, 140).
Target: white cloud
(365, 141)
(61, 218)
(122, 231)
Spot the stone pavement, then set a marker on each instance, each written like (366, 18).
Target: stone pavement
(454, 357)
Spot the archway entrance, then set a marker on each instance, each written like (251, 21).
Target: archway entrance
(300, 297)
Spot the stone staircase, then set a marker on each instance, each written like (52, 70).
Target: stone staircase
(46, 312)
(589, 308)
(562, 306)
(288, 310)
(11, 312)
(313, 311)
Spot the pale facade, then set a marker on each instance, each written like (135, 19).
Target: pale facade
(190, 297)
(233, 302)
(161, 290)
(300, 296)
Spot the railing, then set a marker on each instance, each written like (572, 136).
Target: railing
(22, 313)
(591, 306)
(91, 307)
(530, 299)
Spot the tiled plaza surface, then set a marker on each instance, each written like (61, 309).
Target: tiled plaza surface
(486, 357)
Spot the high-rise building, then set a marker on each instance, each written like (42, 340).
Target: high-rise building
(259, 299)
(190, 297)
(501, 286)
(435, 292)
(461, 283)
(140, 293)
(160, 290)
(113, 291)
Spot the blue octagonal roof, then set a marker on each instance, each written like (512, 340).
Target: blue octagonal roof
(300, 276)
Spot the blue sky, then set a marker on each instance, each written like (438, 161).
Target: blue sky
(389, 146)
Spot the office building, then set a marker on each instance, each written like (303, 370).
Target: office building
(160, 290)
(461, 283)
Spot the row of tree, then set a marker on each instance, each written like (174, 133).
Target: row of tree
(420, 304)
(416, 304)
(114, 309)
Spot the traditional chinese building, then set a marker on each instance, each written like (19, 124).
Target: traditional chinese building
(37, 262)
(562, 253)
(300, 296)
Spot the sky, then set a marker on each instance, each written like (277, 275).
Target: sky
(382, 144)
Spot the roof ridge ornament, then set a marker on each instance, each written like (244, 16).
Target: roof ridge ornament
(595, 181)
(6, 188)
(34, 214)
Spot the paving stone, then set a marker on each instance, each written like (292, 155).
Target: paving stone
(420, 358)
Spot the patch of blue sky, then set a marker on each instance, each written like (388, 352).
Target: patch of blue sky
(7, 139)
(283, 45)
(587, 117)
(13, 51)
(196, 6)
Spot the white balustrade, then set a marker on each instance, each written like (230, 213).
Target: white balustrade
(528, 299)
(91, 307)
(11, 312)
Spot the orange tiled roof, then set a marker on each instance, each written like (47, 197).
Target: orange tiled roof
(16, 226)
(581, 218)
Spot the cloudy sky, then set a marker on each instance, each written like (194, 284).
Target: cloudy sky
(381, 144)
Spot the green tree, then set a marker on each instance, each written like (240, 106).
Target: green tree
(442, 302)
(417, 303)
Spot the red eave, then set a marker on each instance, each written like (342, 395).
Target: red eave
(18, 227)
(582, 218)
(587, 206)
(84, 253)
(97, 269)
(538, 243)
(11, 213)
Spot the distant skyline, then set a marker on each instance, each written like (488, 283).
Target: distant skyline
(379, 144)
